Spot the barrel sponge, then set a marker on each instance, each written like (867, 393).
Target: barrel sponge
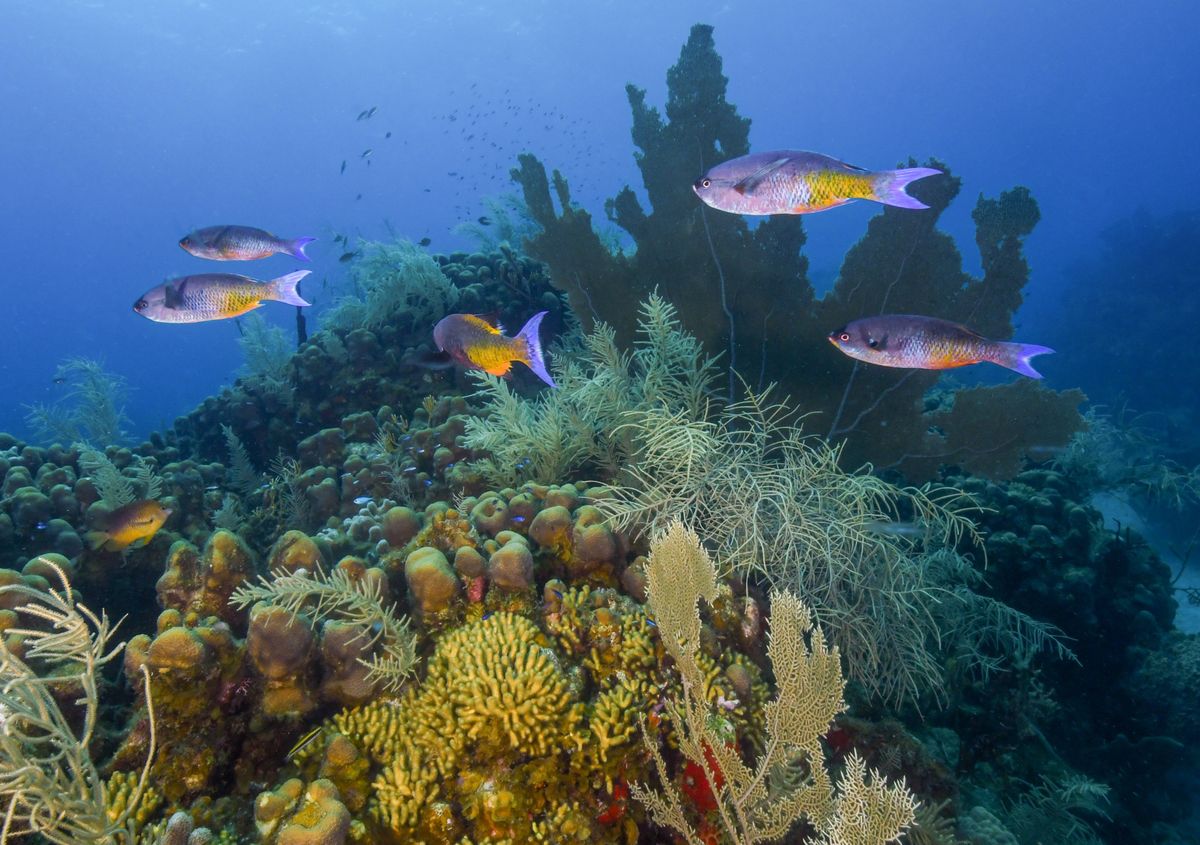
(508, 695)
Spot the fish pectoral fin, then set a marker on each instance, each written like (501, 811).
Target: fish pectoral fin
(139, 542)
(503, 369)
(752, 181)
(96, 539)
(174, 294)
(808, 209)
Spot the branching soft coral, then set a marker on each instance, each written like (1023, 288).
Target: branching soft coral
(580, 425)
(48, 782)
(789, 780)
(339, 595)
(392, 281)
(871, 558)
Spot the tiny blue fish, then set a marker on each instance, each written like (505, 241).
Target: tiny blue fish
(361, 500)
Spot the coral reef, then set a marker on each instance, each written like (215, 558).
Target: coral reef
(49, 784)
(774, 502)
(789, 781)
(745, 292)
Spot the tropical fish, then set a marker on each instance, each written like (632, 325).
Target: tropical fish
(927, 343)
(425, 242)
(343, 170)
(130, 526)
(241, 243)
(348, 256)
(304, 742)
(485, 221)
(799, 182)
(892, 528)
(476, 343)
(216, 296)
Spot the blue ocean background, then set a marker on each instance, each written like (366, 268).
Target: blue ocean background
(129, 124)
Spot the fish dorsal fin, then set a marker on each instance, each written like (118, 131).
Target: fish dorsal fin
(853, 167)
(174, 293)
(752, 181)
(492, 319)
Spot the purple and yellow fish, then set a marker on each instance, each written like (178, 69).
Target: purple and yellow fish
(241, 243)
(799, 182)
(927, 343)
(129, 527)
(476, 343)
(216, 296)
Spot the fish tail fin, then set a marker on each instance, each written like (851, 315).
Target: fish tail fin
(287, 288)
(890, 186)
(534, 359)
(296, 248)
(95, 539)
(1016, 357)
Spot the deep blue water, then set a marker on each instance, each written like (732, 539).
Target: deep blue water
(127, 124)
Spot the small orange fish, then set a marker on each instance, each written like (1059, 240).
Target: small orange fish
(130, 526)
(475, 343)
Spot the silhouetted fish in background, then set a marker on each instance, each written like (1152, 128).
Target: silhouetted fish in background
(474, 342)
(927, 343)
(799, 182)
(216, 296)
(241, 243)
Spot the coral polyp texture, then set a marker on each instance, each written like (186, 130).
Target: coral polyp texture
(393, 601)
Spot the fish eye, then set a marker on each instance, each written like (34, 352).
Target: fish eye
(844, 337)
(706, 183)
(140, 305)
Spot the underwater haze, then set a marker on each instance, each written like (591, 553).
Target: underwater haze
(599, 422)
(130, 124)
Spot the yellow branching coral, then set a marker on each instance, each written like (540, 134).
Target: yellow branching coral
(788, 780)
(404, 787)
(506, 690)
(613, 716)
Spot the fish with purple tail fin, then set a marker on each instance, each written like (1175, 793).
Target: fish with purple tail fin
(216, 296)
(927, 343)
(799, 182)
(476, 343)
(241, 243)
